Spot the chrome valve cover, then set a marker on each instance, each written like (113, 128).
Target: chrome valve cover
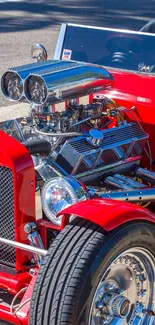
(119, 149)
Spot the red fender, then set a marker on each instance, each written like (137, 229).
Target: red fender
(108, 214)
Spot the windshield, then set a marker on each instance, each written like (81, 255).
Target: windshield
(110, 48)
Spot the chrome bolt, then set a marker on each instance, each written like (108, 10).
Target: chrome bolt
(127, 261)
(110, 286)
(142, 277)
(139, 309)
(100, 294)
(98, 314)
(32, 272)
(138, 319)
(143, 292)
(99, 305)
(119, 291)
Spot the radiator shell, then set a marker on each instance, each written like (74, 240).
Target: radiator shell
(17, 199)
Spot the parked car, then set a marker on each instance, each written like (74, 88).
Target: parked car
(77, 182)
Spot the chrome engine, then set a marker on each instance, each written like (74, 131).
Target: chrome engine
(89, 141)
(80, 144)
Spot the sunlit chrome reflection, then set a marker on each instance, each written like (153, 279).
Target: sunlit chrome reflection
(58, 194)
(36, 90)
(12, 86)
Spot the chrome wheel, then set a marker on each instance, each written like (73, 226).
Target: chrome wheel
(126, 292)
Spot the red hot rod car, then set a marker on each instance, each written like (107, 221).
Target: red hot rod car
(77, 183)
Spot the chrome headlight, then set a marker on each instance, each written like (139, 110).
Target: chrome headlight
(58, 194)
(12, 86)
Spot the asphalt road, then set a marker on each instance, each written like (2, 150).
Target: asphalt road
(23, 23)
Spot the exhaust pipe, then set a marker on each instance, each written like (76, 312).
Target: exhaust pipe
(145, 175)
(146, 194)
(122, 182)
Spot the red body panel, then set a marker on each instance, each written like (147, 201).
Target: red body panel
(107, 213)
(133, 89)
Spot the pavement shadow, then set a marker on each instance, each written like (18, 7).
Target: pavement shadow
(30, 15)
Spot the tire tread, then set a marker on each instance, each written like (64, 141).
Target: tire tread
(63, 273)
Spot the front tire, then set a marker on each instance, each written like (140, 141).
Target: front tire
(90, 278)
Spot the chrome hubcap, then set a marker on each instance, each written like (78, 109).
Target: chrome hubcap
(125, 291)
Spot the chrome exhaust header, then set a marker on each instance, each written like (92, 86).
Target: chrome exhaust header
(145, 175)
(24, 247)
(146, 194)
(122, 182)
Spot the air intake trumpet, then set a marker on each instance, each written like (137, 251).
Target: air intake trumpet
(54, 81)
